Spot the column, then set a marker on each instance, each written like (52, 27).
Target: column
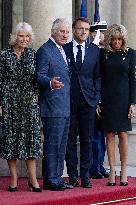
(110, 11)
(17, 12)
(41, 14)
(128, 19)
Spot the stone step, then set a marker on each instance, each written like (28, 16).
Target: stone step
(133, 121)
(133, 132)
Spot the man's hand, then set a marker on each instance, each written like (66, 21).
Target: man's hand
(56, 84)
(98, 111)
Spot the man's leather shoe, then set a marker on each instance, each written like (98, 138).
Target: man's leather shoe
(54, 187)
(97, 176)
(67, 186)
(106, 174)
(85, 183)
(74, 181)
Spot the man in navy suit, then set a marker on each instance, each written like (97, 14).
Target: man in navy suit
(83, 59)
(54, 97)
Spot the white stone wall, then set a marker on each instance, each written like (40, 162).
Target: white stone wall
(128, 19)
(43, 13)
(17, 12)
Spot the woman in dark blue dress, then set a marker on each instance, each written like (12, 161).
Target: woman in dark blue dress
(118, 95)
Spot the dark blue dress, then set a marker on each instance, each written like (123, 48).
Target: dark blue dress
(118, 88)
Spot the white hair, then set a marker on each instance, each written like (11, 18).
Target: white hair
(22, 26)
(56, 24)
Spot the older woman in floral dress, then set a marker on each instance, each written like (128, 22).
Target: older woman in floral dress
(19, 105)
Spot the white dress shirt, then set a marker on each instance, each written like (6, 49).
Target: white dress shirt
(60, 49)
(75, 49)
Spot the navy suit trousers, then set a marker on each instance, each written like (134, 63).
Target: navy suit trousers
(98, 147)
(54, 148)
(82, 125)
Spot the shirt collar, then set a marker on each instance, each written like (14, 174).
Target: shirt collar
(75, 43)
(52, 39)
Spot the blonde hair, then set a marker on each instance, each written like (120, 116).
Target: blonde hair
(22, 26)
(111, 32)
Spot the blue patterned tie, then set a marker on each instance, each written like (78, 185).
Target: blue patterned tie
(79, 57)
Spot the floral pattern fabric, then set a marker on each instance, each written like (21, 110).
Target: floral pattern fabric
(18, 98)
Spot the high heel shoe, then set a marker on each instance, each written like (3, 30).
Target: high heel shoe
(34, 189)
(12, 189)
(123, 183)
(112, 183)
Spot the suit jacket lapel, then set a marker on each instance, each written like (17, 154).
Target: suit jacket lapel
(71, 54)
(73, 62)
(56, 52)
(86, 54)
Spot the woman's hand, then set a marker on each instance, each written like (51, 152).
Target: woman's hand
(98, 111)
(0, 111)
(132, 111)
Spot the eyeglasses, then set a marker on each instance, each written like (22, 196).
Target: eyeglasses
(82, 29)
(63, 32)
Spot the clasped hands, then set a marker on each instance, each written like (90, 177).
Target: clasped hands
(56, 84)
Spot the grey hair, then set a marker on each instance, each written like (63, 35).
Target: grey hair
(111, 32)
(22, 26)
(56, 24)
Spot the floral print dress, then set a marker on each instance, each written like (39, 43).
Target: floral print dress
(18, 98)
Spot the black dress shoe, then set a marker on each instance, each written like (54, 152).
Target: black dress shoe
(74, 181)
(67, 186)
(54, 187)
(34, 189)
(123, 183)
(111, 184)
(85, 183)
(97, 176)
(106, 174)
(12, 189)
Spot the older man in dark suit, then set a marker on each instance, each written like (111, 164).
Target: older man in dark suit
(83, 59)
(54, 83)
